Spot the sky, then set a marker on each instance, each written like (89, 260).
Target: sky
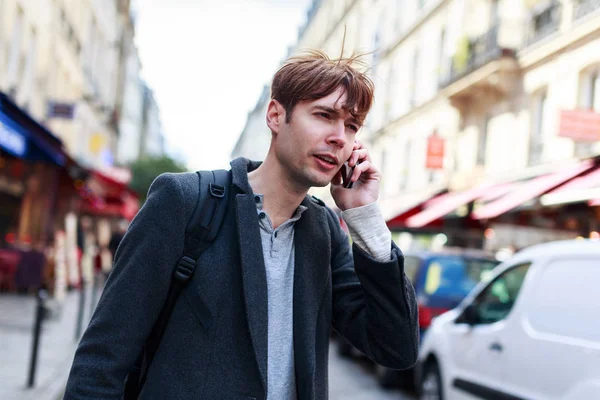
(207, 62)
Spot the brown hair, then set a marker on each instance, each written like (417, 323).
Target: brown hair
(314, 75)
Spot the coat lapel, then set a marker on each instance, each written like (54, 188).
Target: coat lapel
(311, 274)
(254, 279)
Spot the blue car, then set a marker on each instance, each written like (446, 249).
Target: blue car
(441, 280)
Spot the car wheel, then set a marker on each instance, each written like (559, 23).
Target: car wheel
(387, 378)
(431, 384)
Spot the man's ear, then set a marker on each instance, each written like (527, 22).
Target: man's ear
(275, 115)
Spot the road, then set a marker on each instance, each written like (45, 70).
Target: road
(354, 380)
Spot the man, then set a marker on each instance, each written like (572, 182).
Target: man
(255, 321)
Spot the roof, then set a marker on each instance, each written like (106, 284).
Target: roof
(554, 249)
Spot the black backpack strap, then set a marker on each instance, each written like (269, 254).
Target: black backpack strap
(200, 232)
(207, 218)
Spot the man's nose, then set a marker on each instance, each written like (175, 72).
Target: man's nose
(337, 135)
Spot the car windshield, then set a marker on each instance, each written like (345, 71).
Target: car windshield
(453, 276)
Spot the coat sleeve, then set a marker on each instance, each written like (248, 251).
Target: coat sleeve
(374, 305)
(133, 295)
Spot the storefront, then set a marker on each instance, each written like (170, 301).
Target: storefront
(552, 206)
(30, 161)
(49, 204)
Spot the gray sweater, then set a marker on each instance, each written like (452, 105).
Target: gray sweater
(368, 231)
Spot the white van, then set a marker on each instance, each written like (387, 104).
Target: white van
(530, 332)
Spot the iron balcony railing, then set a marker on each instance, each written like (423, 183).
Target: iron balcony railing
(481, 50)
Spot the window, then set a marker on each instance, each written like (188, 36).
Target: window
(412, 100)
(27, 70)
(384, 161)
(536, 139)
(442, 69)
(482, 142)
(14, 59)
(494, 20)
(589, 98)
(405, 162)
(390, 96)
(377, 42)
(399, 14)
(498, 298)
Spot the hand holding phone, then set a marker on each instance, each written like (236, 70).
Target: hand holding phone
(346, 173)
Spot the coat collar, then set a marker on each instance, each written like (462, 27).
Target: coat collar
(239, 173)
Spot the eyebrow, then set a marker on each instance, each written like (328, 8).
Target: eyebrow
(336, 113)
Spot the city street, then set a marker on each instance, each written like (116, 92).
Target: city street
(354, 380)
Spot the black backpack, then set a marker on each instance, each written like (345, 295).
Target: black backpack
(201, 230)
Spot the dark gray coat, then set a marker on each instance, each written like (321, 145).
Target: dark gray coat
(215, 346)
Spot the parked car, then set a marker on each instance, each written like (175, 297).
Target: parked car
(531, 332)
(441, 280)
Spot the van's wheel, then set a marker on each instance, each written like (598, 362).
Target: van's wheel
(387, 378)
(431, 383)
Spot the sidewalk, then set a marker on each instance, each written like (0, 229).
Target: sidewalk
(56, 346)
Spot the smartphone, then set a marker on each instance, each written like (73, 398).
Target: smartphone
(346, 172)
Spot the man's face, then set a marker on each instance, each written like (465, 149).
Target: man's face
(317, 141)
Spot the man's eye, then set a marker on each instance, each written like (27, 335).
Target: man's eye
(353, 127)
(324, 115)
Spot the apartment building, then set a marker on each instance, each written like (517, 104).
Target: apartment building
(473, 95)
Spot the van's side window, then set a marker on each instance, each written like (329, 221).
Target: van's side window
(498, 298)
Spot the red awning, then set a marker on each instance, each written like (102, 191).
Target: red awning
(498, 191)
(399, 219)
(583, 188)
(106, 196)
(528, 190)
(449, 202)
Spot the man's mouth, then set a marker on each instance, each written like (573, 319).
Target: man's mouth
(327, 159)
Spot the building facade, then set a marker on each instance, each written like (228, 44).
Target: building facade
(132, 107)
(152, 138)
(255, 138)
(471, 93)
(64, 65)
(74, 67)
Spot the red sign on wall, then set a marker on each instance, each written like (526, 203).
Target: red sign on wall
(435, 152)
(580, 125)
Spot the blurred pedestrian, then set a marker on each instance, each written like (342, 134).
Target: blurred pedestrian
(255, 320)
(116, 237)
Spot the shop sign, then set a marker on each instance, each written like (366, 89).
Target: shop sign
(61, 110)
(580, 125)
(435, 152)
(12, 141)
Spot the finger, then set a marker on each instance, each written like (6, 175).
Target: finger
(359, 170)
(358, 155)
(367, 171)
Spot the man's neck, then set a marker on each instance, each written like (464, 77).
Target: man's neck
(280, 197)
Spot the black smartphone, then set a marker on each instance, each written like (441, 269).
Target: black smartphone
(346, 172)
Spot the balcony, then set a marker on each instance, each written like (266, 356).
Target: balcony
(545, 21)
(481, 67)
(585, 7)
